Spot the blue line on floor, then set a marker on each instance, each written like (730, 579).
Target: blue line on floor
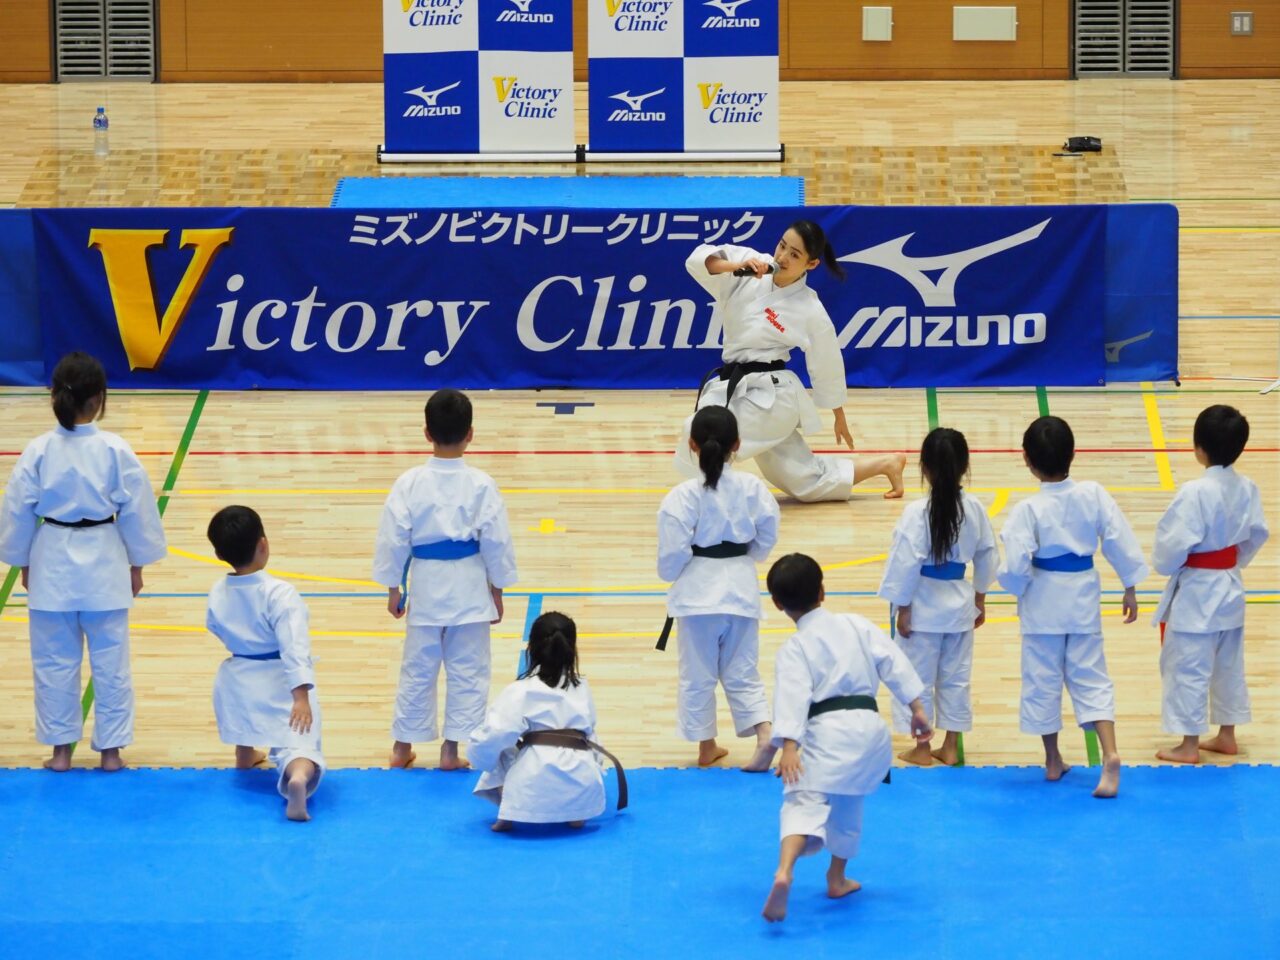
(531, 614)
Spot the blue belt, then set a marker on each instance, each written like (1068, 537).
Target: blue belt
(951, 570)
(446, 550)
(273, 655)
(1064, 562)
(436, 550)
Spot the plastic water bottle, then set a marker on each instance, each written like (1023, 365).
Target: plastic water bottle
(100, 124)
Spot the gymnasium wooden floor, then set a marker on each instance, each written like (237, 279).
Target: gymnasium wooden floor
(582, 489)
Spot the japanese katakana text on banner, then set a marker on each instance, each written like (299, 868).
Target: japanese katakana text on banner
(683, 75)
(478, 76)
(418, 299)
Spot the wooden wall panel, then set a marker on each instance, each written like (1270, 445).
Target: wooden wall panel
(282, 40)
(1207, 49)
(25, 53)
(826, 41)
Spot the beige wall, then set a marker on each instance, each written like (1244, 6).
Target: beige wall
(25, 53)
(334, 40)
(826, 42)
(1207, 49)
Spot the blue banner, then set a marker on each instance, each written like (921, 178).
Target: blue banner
(417, 299)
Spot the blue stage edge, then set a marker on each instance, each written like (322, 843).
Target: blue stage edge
(955, 863)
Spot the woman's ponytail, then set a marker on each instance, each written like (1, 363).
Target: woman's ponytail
(817, 246)
(944, 458)
(715, 433)
(77, 379)
(553, 651)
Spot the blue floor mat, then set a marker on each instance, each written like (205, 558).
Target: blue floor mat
(961, 863)
(608, 193)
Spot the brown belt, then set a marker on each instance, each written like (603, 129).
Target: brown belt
(576, 740)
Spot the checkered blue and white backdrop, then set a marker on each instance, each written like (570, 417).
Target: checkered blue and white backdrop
(683, 77)
(469, 77)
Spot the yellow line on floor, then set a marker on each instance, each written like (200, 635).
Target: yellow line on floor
(1163, 467)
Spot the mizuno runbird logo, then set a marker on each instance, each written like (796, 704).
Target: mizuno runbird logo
(728, 7)
(522, 5)
(891, 256)
(431, 96)
(635, 102)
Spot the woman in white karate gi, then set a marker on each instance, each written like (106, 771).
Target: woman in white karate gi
(835, 749)
(712, 532)
(82, 566)
(766, 314)
(938, 607)
(1049, 542)
(541, 782)
(264, 693)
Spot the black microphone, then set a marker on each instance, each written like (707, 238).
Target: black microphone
(748, 272)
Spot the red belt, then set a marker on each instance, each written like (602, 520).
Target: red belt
(1224, 559)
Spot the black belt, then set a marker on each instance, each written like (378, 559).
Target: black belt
(717, 551)
(576, 740)
(734, 372)
(78, 523)
(856, 701)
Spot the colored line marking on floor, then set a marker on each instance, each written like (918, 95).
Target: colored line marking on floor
(162, 502)
(546, 525)
(1163, 467)
(1042, 401)
(931, 404)
(564, 408)
(532, 612)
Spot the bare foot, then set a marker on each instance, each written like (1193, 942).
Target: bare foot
(842, 887)
(449, 758)
(402, 756)
(577, 824)
(111, 760)
(1179, 754)
(775, 908)
(948, 755)
(762, 759)
(1223, 743)
(60, 762)
(1055, 769)
(919, 755)
(1109, 782)
(247, 758)
(707, 757)
(296, 809)
(500, 826)
(897, 463)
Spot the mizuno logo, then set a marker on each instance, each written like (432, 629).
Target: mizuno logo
(522, 5)
(1113, 349)
(728, 7)
(892, 256)
(430, 96)
(635, 102)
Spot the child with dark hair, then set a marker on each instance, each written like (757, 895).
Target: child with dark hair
(938, 607)
(768, 310)
(444, 553)
(1213, 528)
(835, 750)
(82, 566)
(534, 746)
(1049, 542)
(712, 532)
(264, 692)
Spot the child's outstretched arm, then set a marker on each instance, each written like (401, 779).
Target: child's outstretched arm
(1258, 532)
(393, 547)
(1020, 544)
(895, 670)
(1120, 546)
(675, 537)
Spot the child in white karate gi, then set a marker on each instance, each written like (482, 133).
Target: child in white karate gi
(1213, 528)
(444, 530)
(712, 532)
(938, 608)
(1049, 542)
(766, 313)
(835, 749)
(82, 566)
(541, 782)
(264, 692)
